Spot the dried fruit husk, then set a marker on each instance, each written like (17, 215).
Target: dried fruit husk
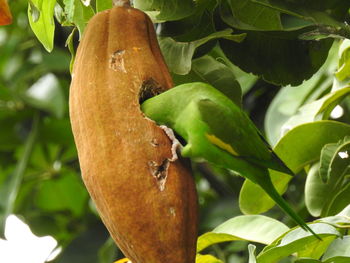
(145, 196)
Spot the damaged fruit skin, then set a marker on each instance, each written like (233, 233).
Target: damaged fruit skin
(145, 196)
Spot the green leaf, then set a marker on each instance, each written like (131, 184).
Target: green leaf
(9, 190)
(343, 72)
(255, 228)
(341, 220)
(167, 10)
(70, 45)
(207, 69)
(40, 15)
(307, 14)
(316, 110)
(245, 14)
(291, 149)
(334, 182)
(278, 57)
(178, 55)
(103, 5)
(288, 100)
(78, 14)
(207, 259)
(66, 193)
(334, 159)
(108, 252)
(338, 251)
(300, 241)
(46, 94)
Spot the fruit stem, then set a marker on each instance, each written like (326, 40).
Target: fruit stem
(121, 2)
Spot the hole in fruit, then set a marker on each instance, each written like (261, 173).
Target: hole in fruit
(149, 89)
(160, 172)
(116, 61)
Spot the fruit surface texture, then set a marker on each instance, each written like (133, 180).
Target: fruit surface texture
(144, 193)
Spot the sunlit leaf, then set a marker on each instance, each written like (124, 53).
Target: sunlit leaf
(299, 241)
(40, 15)
(299, 147)
(255, 228)
(338, 251)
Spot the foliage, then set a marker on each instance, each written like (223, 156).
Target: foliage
(300, 58)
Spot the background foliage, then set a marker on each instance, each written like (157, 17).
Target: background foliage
(286, 62)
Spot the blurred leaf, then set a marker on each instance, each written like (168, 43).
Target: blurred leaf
(10, 188)
(255, 228)
(299, 147)
(103, 5)
(167, 10)
(46, 94)
(277, 56)
(300, 241)
(178, 55)
(207, 259)
(107, 252)
(40, 15)
(207, 69)
(338, 251)
(65, 193)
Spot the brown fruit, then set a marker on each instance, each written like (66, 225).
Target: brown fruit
(145, 197)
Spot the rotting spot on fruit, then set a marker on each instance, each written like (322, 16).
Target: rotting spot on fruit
(160, 172)
(149, 89)
(116, 61)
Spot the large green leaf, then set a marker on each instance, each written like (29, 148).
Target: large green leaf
(278, 57)
(288, 100)
(301, 242)
(167, 10)
(255, 228)
(40, 15)
(103, 5)
(299, 147)
(308, 13)
(178, 55)
(338, 251)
